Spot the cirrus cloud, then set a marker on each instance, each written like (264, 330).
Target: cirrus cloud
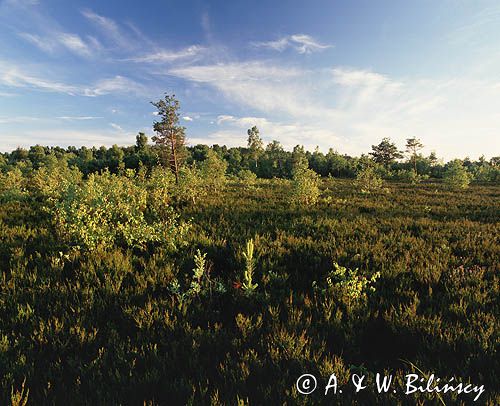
(302, 43)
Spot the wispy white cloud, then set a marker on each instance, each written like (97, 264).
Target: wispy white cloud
(18, 119)
(25, 119)
(56, 40)
(232, 132)
(7, 94)
(257, 84)
(480, 25)
(187, 118)
(224, 118)
(128, 39)
(13, 76)
(252, 70)
(75, 44)
(302, 43)
(110, 29)
(117, 84)
(206, 25)
(164, 55)
(78, 118)
(358, 77)
(41, 43)
(116, 127)
(20, 3)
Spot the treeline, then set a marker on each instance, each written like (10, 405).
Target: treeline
(272, 161)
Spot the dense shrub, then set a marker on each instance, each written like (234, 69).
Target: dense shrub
(191, 187)
(305, 186)
(13, 186)
(487, 173)
(247, 177)
(368, 180)
(408, 176)
(213, 172)
(108, 209)
(456, 176)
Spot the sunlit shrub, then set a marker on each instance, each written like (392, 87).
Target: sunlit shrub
(368, 180)
(456, 176)
(108, 209)
(48, 183)
(305, 186)
(160, 186)
(13, 186)
(247, 178)
(20, 397)
(191, 185)
(213, 171)
(200, 284)
(347, 284)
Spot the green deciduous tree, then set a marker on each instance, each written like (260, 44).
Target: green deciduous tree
(255, 144)
(141, 141)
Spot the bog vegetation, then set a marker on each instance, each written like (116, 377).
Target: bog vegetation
(166, 274)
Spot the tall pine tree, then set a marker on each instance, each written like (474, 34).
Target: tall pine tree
(170, 136)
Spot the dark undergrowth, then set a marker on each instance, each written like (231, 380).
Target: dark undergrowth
(106, 326)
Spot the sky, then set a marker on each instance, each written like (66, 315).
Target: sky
(332, 74)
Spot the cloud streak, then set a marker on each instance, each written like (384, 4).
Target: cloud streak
(57, 40)
(164, 55)
(13, 76)
(109, 28)
(301, 43)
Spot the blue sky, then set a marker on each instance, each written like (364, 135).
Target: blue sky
(336, 74)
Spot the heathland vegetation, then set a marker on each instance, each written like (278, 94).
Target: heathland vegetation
(171, 274)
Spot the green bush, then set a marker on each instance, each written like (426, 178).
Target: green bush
(108, 209)
(191, 187)
(247, 177)
(48, 183)
(305, 186)
(13, 186)
(347, 284)
(213, 172)
(456, 176)
(408, 176)
(368, 180)
(487, 173)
